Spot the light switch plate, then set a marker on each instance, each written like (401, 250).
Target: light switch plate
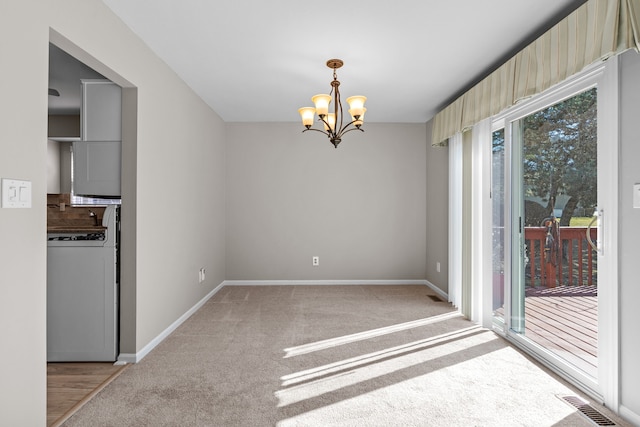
(16, 193)
(636, 196)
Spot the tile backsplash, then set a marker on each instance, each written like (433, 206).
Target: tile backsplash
(60, 212)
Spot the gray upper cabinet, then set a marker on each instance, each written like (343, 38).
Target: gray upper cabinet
(101, 118)
(96, 169)
(97, 156)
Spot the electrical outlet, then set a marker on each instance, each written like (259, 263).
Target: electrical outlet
(438, 267)
(201, 275)
(315, 261)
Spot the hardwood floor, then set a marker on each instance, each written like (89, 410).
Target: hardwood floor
(70, 385)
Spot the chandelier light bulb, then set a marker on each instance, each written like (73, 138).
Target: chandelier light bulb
(331, 122)
(359, 120)
(308, 116)
(356, 104)
(321, 102)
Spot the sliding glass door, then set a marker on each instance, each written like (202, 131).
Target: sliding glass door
(548, 202)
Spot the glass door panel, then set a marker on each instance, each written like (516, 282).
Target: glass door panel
(554, 197)
(497, 217)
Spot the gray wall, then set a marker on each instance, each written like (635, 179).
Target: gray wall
(629, 231)
(23, 155)
(361, 207)
(437, 214)
(174, 149)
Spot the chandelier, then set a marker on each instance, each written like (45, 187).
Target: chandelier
(333, 122)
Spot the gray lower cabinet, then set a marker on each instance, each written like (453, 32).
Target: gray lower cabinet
(81, 304)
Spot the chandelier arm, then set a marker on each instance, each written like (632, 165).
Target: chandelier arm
(337, 107)
(345, 130)
(317, 130)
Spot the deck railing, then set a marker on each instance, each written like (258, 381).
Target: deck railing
(573, 264)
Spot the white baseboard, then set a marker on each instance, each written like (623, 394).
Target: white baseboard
(136, 357)
(124, 358)
(442, 294)
(321, 282)
(629, 415)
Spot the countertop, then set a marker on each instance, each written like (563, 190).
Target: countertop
(66, 229)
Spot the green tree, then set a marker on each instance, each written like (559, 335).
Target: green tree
(560, 155)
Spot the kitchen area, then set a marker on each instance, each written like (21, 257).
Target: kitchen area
(83, 233)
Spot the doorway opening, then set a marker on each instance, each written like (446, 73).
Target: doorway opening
(67, 111)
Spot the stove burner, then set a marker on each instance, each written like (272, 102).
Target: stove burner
(87, 236)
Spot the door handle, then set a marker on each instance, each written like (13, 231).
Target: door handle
(599, 248)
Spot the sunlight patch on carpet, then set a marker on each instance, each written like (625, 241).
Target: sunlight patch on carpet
(360, 336)
(331, 378)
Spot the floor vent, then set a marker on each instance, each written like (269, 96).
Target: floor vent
(435, 298)
(588, 411)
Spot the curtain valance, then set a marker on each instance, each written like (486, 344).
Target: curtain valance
(595, 31)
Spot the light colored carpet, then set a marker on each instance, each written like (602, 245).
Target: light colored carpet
(331, 356)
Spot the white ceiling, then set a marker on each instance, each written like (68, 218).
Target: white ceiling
(256, 60)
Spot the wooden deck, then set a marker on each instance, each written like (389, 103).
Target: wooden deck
(564, 320)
